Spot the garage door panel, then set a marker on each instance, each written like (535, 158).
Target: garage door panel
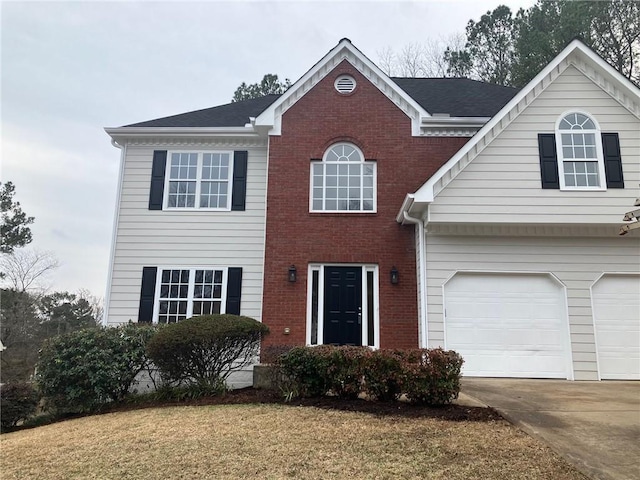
(507, 325)
(616, 315)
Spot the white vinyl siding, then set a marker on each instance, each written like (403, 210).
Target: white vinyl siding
(576, 262)
(502, 184)
(189, 239)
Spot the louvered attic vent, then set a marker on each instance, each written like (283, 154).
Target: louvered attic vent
(345, 84)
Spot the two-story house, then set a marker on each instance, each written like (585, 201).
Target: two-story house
(361, 209)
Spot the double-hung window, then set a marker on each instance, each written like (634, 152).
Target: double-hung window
(580, 156)
(343, 181)
(186, 292)
(199, 180)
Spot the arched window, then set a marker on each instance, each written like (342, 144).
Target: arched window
(580, 160)
(343, 181)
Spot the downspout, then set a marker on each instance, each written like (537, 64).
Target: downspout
(114, 234)
(422, 259)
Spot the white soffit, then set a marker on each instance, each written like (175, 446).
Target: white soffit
(271, 117)
(576, 54)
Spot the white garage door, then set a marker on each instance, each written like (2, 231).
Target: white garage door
(616, 316)
(507, 325)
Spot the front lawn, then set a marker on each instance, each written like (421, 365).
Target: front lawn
(273, 442)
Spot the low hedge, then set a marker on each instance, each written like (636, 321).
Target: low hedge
(425, 376)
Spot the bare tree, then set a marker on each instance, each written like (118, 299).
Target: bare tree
(435, 53)
(387, 61)
(412, 61)
(26, 270)
(420, 59)
(96, 303)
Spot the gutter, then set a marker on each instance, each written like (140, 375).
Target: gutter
(403, 217)
(244, 131)
(116, 219)
(444, 121)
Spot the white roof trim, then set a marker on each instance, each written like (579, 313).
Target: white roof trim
(180, 131)
(345, 50)
(626, 93)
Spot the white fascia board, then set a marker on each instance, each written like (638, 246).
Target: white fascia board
(342, 51)
(425, 192)
(623, 82)
(179, 131)
(437, 121)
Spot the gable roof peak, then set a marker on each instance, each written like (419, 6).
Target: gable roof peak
(576, 54)
(270, 119)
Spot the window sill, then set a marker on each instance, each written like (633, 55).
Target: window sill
(342, 212)
(583, 189)
(194, 210)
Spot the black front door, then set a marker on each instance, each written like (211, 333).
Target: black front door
(343, 305)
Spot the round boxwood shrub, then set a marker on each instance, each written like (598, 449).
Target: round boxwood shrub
(18, 402)
(205, 350)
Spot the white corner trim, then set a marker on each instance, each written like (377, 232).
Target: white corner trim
(271, 117)
(471, 149)
(114, 232)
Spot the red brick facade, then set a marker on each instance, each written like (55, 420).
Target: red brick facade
(295, 236)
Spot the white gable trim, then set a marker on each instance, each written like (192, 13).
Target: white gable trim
(576, 54)
(271, 118)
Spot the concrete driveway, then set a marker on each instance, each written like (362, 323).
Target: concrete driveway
(594, 425)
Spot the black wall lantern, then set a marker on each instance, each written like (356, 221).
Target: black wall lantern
(292, 273)
(394, 276)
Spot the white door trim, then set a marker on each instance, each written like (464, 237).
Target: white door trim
(366, 268)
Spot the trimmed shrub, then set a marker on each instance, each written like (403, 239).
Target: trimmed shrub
(271, 354)
(304, 371)
(345, 369)
(432, 376)
(384, 374)
(81, 371)
(18, 402)
(205, 350)
(426, 376)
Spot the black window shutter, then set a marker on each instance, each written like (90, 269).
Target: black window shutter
(157, 179)
(612, 160)
(548, 160)
(239, 194)
(234, 289)
(147, 294)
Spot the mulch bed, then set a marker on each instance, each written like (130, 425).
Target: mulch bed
(402, 409)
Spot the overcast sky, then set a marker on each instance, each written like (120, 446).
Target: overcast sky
(69, 69)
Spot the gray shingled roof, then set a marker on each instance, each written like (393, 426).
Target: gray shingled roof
(459, 97)
(230, 115)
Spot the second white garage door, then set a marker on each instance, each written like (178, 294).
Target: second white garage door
(616, 315)
(508, 325)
